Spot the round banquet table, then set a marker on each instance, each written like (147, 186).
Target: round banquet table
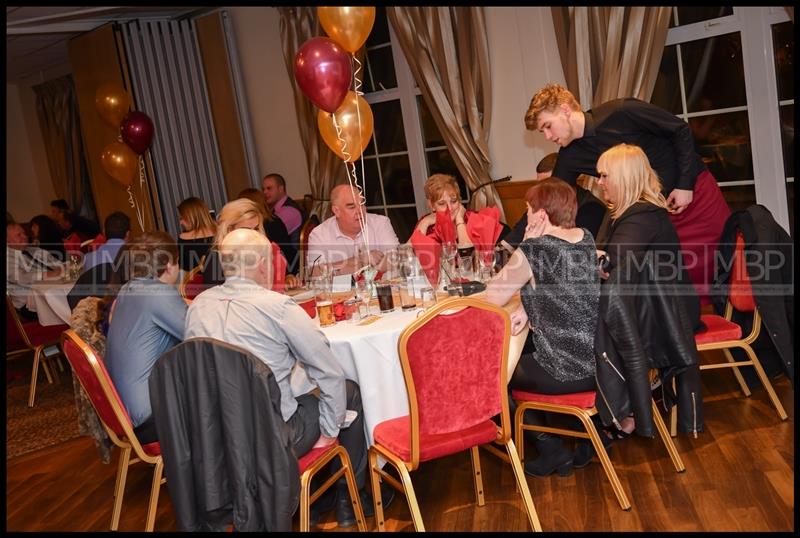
(48, 298)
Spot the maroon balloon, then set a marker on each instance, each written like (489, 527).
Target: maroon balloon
(137, 131)
(323, 71)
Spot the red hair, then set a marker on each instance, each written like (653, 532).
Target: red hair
(557, 198)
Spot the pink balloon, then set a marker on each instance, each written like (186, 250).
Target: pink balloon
(323, 72)
(137, 131)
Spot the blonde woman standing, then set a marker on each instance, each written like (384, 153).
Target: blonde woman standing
(198, 232)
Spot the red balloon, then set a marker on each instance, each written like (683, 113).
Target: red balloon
(137, 131)
(323, 72)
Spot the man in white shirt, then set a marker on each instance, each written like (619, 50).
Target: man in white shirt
(245, 312)
(336, 241)
(25, 264)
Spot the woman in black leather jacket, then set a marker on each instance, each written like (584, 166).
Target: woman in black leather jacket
(649, 310)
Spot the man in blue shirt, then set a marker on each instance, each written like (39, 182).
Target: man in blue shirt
(117, 227)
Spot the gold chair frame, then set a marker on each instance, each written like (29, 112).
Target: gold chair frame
(127, 444)
(503, 432)
(585, 416)
(743, 343)
(188, 278)
(38, 354)
(307, 497)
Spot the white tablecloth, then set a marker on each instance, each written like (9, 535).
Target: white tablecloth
(49, 300)
(368, 355)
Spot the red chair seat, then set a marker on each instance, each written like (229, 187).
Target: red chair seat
(718, 329)
(584, 400)
(307, 459)
(152, 449)
(195, 286)
(395, 435)
(39, 334)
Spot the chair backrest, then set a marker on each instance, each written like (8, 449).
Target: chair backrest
(455, 366)
(305, 232)
(97, 384)
(740, 293)
(16, 337)
(192, 283)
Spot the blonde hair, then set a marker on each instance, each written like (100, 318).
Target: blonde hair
(235, 212)
(195, 212)
(436, 185)
(548, 98)
(628, 170)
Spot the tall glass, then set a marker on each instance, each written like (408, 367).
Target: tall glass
(364, 295)
(449, 253)
(486, 264)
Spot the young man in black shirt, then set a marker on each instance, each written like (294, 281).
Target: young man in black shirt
(698, 209)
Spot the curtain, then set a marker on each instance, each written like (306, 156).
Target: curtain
(790, 12)
(610, 52)
(59, 120)
(325, 168)
(448, 53)
(168, 83)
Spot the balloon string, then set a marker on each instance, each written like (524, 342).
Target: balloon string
(352, 178)
(357, 90)
(141, 171)
(132, 201)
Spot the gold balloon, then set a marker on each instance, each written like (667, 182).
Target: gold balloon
(112, 102)
(356, 136)
(120, 162)
(348, 26)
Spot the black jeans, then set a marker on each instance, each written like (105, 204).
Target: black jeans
(305, 432)
(146, 431)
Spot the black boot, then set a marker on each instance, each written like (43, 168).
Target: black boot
(584, 450)
(553, 456)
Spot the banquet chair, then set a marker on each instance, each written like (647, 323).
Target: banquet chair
(192, 367)
(305, 232)
(192, 284)
(722, 333)
(456, 384)
(94, 378)
(32, 336)
(581, 406)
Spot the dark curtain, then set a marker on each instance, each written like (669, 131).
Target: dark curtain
(59, 120)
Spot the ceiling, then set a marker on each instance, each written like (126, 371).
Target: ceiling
(37, 37)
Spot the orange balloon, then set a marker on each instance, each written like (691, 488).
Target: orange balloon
(348, 26)
(356, 136)
(112, 102)
(120, 162)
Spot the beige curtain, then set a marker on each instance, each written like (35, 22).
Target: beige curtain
(59, 121)
(609, 52)
(447, 51)
(325, 168)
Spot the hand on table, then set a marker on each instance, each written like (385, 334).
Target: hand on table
(292, 282)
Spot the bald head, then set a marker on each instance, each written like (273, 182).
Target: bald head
(342, 194)
(347, 208)
(248, 254)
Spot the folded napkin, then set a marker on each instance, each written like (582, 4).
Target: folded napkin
(483, 228)
(428, 251)
(444, 228)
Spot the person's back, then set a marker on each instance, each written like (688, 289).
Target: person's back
(562, 309)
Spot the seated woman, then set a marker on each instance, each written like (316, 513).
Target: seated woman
(242, 213)
(449, 222)
(641, 228)
(198, 232)
(46, 235)
(147, 319)
(275, 229)
(555, 269)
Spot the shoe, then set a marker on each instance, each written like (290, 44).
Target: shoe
(345, 515)
(553, 457)
(584, 450)
(323, 505)
(387, 497)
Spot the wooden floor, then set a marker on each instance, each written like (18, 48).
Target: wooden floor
(739, 477)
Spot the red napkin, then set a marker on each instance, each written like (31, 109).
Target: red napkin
(428, 250)
(483, 228)
(444, 228)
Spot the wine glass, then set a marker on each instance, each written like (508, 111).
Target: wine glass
(486, 262)
(449, 253)
(364, 294)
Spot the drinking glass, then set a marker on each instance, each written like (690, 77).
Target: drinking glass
(408, 300)
(385, 299)
(486, 264)
(364, 294)
(466, 267)
(449, 253)
(428, 297)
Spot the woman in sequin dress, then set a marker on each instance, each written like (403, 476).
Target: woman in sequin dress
(555, 271)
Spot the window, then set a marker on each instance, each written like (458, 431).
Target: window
(406, 146)
(712, 76)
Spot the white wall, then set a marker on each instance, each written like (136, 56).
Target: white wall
(523, 55)
(29, 188)
(270, 101)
